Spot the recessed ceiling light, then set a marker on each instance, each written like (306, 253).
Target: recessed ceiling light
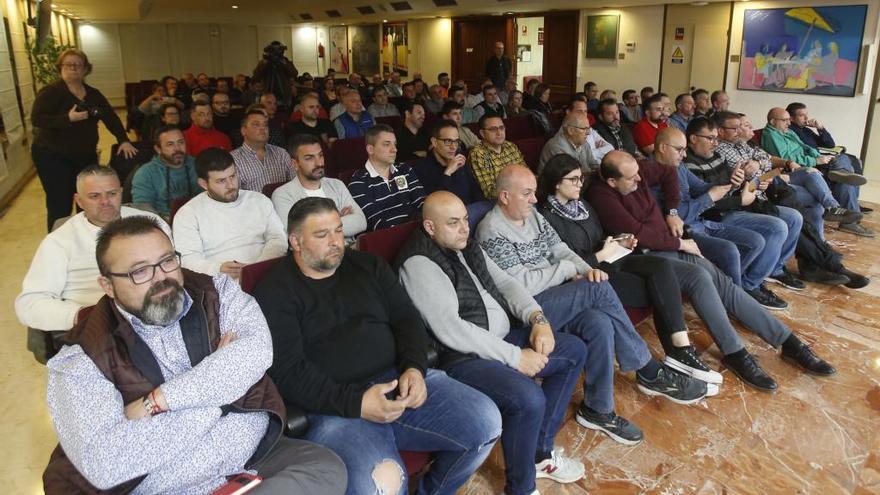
(235, 6)
(699, 4)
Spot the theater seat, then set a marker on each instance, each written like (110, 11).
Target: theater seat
(531, 150)
(175, 206)
(757, 137)
(45, 344)
(252, 274)
(125, 166)
(268, 189)
(346, 154)
(394, 121)
(476, 212)
(519, 128)
(386, 243)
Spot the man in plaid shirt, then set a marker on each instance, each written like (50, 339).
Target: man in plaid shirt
(492, 154)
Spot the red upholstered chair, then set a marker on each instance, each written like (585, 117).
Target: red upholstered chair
(346, 175)
(346, 154)
(175, 206)
(757, 137)
(268, 189)
(386, 243)
(531, 150)
(519, 128)
(394, 121)
(474, 127)
(252, 274)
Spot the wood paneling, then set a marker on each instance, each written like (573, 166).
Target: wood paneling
(472, 43)
(560, 55)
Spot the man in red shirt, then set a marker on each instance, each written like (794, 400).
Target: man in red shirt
(645, 131)
(201, 134)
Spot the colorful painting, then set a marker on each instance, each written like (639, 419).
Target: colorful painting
(812, 50)
(339, 49)
(394, 48)
(365, 49)
(602, 34)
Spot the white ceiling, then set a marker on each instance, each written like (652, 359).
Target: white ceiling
(275, 12)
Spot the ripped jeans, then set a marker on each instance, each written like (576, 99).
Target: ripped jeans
(458, 424)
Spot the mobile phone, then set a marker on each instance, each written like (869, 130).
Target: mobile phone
(239, 484)
(622, 237)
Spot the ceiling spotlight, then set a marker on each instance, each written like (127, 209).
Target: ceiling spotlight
(700, 4)
(384, 20)
(235, 6)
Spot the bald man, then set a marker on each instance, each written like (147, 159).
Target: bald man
(571, 140)
(623, 206)
(495, 338)
(577, 299)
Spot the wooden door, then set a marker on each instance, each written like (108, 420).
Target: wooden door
(472, 44)
(560, 55)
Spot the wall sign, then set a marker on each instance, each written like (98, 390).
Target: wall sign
(679, 33)
(540, 36)
(677, 55)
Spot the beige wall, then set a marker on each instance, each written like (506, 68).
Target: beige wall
(430, 47)
(642, 25)
(534, 67)
(844, 117)
(15, 161)
(710, 21)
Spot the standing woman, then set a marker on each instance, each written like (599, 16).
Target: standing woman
(65, 117)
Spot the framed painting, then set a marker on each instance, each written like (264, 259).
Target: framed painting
(365, 49)
(602, 34)
(808, 50)
(395, 48)
(339, 49)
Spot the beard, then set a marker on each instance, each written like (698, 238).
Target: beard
(328, 263)
(162, 310)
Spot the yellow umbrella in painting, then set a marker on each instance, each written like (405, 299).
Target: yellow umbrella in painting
(809, 16)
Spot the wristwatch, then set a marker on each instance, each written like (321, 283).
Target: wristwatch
(149, 405)
(672, 213)
(540, 319)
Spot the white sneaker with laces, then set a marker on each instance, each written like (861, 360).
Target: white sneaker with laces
(560, 468)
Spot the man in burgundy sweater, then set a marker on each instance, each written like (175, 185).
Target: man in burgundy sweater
(625, 207)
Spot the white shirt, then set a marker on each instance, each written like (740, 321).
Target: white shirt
(287, 195)
(63, 277)
(598, 146)
(208, 233)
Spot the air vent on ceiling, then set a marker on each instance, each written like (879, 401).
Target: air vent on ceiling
(333, 13)
(398, 6)
(445, 3)
(306, 17)
(366, 10)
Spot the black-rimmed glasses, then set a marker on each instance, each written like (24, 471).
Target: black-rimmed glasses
(146, 273)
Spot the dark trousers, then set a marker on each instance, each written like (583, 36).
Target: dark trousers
(57, 173)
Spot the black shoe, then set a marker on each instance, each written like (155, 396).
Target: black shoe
(857, 229)
(804, 357)
(866, 210)
(748, 370)
(849, 178)
(767, 298)
(841, 215)
(618, 429)
(787, 280)
(824, 277)
(675, 386)
(686, 360)
(856, 281)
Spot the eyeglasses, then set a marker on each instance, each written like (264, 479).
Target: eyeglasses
(146, 273)
(678, 149)
(731, 128)
(449, 142)
(585, 129)
(497, 128)
(577, 179)
(784, 120)
(73, 66)
(711, 139)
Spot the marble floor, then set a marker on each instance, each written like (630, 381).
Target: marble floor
(813, 436)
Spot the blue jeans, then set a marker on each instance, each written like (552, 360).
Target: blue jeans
(531, 414)
(847, 195)
(780, 240)
(734, 249)
(457, 423)
(593, 312)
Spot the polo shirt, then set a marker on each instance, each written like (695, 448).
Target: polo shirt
(644, 133)
(387, 202)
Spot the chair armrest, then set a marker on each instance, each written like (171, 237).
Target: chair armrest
(297, 422)
(433, 357)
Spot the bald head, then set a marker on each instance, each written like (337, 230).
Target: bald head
(779, 118)
(669, 135)
(445, 220)
(511, 175)
(621, 171)
(670, 146)
(516, 187)
(577, 128)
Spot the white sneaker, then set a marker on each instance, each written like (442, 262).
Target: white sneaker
(712, 389)
(560, 468)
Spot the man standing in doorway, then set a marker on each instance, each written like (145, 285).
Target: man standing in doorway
(498, 67)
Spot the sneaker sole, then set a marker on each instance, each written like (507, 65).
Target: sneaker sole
(647, 391)
(762, 389)
(712, 389)
(779, 282)
(710, 376)
(772, 308)
(794, 362)
(869, 235)
(617, 438)
(847, 178)
(543, 475)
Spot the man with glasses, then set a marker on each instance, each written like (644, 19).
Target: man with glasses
(492, 154)
(684, 112)
(163, 386)
(645, 131)
(740, 206)
(202, 226)
(446, 168)
(224, 119)
(572, 139)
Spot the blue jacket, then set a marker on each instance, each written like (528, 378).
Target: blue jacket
(346, 127)
(813, 140)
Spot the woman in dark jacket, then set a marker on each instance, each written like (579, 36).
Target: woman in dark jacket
(65, 116)
(638, 280)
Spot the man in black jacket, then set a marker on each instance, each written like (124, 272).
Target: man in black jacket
(498, 67)
(349, 347)
(608, 126)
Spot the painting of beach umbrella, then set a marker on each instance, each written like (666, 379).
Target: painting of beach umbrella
(810, 17)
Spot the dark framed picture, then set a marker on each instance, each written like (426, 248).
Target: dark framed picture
(602, 34)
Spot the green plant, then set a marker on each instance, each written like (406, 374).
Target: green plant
(43, 59)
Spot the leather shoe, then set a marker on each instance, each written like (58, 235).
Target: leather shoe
(804, 357)
(856, 281)
(748, 370)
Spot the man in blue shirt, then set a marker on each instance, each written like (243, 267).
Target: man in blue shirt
(170, 175)
(355, 121)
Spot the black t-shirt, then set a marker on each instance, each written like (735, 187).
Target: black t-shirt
(322, 127)
(408, 143)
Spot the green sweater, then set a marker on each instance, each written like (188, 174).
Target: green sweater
(153, 179)
(788, 146)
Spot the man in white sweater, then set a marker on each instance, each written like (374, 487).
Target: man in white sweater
(63, 277)
(225, 228)
(307, 158)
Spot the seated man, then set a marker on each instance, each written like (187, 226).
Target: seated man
(490, 104)
(702, 103)
(162, 388)
(201, 134)
(380, 106)
(468, 304)
(307, 158)
(720, 101)
(412, 138)
(355, 121)
(257, 162)
(784, 137)
(630, 107)
(492, 154)
(445, 169)
(434, 104)
(780, 226)
(224, 119)
(388, 194)
(311, 123)
(684, 112)
(626, 207)
(452, 111)
(170, 175)
(645, 131)
(468, 113)
(572, 140)
(577, 299)
(224, 228)
(63, 276)
(350, 349)
(609, 128)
